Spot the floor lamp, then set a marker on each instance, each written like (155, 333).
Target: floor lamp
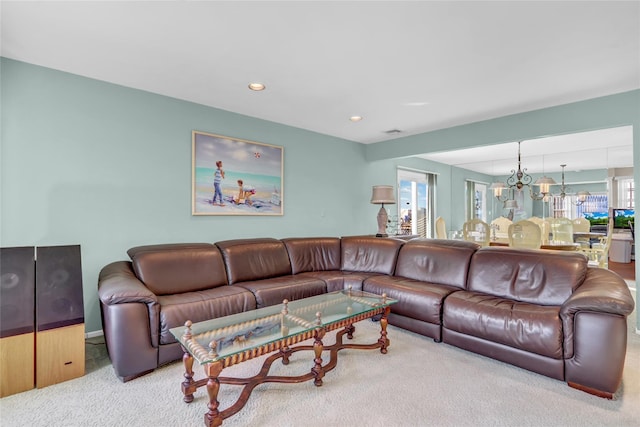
(382, 194)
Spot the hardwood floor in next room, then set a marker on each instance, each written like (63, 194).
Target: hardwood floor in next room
(626, 270)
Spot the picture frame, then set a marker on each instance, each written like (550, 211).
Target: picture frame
(232, 176)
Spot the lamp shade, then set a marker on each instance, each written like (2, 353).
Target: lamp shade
(383, 194)
(510, 204)
(544, 182)
(497, 188)
(582, 195)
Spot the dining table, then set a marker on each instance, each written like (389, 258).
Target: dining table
(561, 246)
(587, 235)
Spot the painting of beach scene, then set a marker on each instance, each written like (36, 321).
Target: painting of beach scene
(232, 176)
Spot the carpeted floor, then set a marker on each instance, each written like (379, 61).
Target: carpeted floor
(418, 383)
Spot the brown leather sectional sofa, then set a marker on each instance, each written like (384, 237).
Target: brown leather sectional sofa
(544, 311)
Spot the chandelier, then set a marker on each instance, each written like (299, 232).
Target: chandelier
(581, 196)
(517, 181)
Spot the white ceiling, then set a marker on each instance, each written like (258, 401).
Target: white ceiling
(414, 66)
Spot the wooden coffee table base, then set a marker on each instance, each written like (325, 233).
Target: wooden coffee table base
(214, 417)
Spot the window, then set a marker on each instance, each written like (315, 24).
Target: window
(417, 202)
(626, 190)
(595, 203)
(567, 207)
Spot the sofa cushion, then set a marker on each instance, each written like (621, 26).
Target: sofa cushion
(254, 259)
(530, 327)
(313, 254)
(528, 275)
(416, 299)
(199, 306)
(370, 254)
(437, 261)
(273, 291)
(176, 268)
(337, 280)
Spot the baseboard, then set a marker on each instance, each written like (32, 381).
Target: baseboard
(98, 333)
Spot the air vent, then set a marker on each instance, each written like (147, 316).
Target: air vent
(393, 131)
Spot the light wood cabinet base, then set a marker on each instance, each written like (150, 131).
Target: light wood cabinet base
(59, 355)
(16, 364)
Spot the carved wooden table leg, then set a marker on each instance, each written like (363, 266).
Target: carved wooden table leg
(285, 352)
(213, 418)
(188, 386)
(318, 346)
(350, 330)
(384, 341)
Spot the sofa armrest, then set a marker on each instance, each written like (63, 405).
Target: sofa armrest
(130, 320)
(602, 291)
(594, 320)
(118, 284)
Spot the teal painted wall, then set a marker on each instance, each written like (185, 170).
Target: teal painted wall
(385, 172)
(108, 167)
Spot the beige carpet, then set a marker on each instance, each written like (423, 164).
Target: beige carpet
(418, 383)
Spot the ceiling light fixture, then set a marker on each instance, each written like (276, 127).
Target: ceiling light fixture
(355, 118)
(581, 196)
(520, 179)
(257, 87)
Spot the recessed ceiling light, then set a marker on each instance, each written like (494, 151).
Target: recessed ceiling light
(355, 118)
(257, 86)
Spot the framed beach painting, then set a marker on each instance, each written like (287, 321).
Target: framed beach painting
(231, 176)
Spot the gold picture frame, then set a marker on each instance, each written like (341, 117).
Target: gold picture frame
(232, 176)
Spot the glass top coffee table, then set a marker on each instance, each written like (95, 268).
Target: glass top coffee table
(219, 343)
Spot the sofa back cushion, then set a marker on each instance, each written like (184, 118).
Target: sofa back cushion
(254, 259)
(313, 253)
(528, 275)
(177, 268)
(370, 254)
(436, 261)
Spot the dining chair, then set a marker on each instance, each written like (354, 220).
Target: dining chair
(561, 230)
(545, 228)
(598, 253)
(525, 234)
(477, 231)
(441, 228)
(582, 225)
(535, 219)
(500, 227)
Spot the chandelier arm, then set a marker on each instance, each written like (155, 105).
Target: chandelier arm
(512, 180)
(520, 178)
(535, 196)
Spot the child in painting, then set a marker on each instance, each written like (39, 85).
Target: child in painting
(217, 179)
(244, 193)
